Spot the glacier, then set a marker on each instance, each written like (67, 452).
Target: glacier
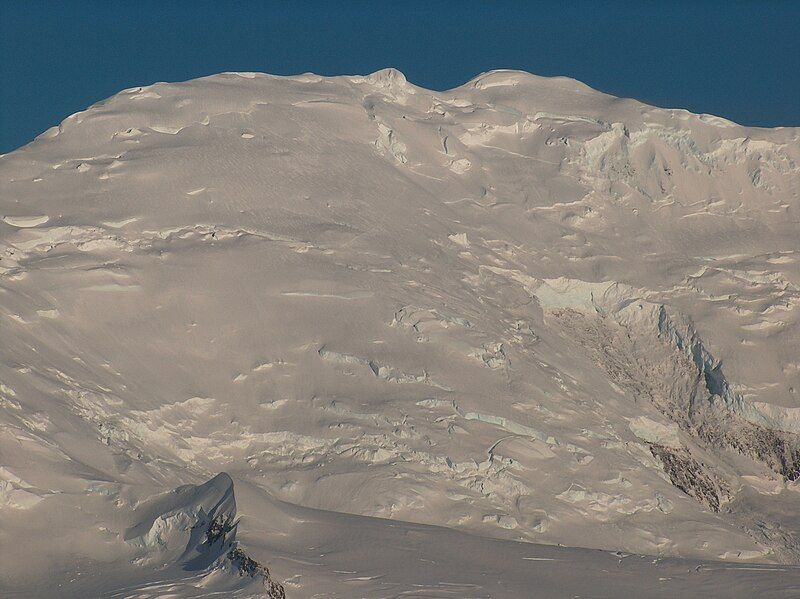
(443, 343)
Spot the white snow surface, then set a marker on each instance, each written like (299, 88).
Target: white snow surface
(516, 339)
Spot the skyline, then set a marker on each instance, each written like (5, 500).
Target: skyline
(741, 62)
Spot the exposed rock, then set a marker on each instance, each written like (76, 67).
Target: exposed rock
(247, 566)
(691, 477)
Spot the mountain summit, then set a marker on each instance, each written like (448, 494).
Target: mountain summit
(520, 309)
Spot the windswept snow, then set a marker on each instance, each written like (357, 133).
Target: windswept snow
(430, 336)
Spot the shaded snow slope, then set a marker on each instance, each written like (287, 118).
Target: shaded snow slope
(521, 309)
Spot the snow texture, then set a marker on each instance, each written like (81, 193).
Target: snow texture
(499, 341)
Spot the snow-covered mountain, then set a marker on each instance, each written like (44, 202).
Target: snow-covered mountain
(513, 314)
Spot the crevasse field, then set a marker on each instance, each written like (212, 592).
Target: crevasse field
(347, 337)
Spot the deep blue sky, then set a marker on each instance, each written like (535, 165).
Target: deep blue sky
(736, 59)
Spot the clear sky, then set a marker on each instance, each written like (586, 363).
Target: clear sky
(737, 59)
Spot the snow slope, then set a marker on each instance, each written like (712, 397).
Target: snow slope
(519, 312)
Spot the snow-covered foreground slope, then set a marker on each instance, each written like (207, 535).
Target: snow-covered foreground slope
(331, 554)
(520, 309)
